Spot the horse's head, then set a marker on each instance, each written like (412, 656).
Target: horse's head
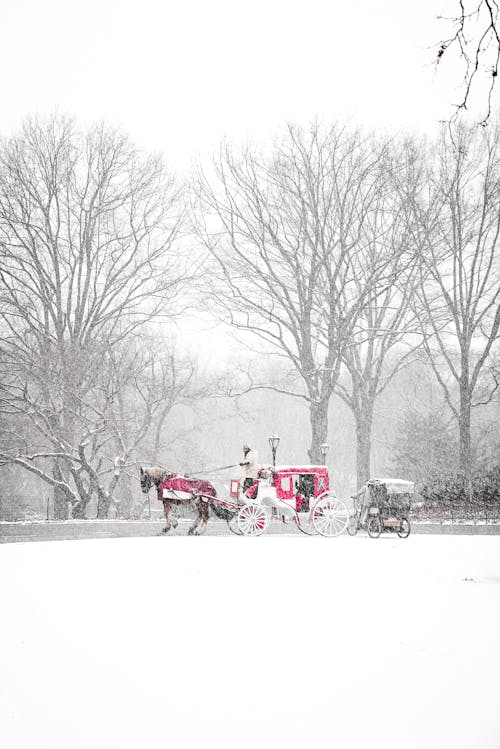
(146, 480)
(150, 476)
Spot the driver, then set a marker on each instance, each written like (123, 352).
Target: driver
(249, 467)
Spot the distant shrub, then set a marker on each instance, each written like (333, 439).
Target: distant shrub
(455, 489)
(487, 485)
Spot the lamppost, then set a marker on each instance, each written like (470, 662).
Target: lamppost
(324, 447)
(274, 441)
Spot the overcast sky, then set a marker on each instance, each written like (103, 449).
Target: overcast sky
(179, 74)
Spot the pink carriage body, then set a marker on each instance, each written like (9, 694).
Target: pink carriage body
(298, 494)
(296, 485)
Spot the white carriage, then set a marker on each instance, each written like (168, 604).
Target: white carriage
(298, 495)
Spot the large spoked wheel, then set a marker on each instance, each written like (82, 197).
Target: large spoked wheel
(404, 532)
(352, 525)
(330, 516)
(252, 520)
(374, 527)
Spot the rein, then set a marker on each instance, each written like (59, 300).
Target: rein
(192, 473)
(213, 470)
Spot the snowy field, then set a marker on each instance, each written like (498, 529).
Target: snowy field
(251, 642)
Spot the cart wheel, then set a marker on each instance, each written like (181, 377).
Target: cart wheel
(374, 527)
(252, 520)
(330, 516)
(352, 525)
(405, 528)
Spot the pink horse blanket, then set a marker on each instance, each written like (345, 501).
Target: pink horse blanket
(181, 488)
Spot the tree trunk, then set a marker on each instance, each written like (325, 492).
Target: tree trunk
(362, 403)
(63, 425)
(318, 415)
(61, 504)
(79, 510)
(363, 447)
(103, 504)
(84, 496)
(465, 453)
(127, 498)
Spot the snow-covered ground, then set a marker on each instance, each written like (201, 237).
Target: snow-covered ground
(251, 642)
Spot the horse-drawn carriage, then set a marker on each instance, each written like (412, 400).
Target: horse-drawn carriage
(292, 494)
(382, 506)
(299, 495)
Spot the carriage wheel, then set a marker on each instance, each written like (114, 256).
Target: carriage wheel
(352, 525)
(232, 524)
(330, 516)
(405, 528)
(374, 527)
(252, 520)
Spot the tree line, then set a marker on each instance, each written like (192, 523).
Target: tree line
(346, 254)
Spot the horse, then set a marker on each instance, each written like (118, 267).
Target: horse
(175, 489)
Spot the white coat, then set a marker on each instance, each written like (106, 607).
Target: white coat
(251, 470)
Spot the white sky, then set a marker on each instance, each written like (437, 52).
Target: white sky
(177, 75)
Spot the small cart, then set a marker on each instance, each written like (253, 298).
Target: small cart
(382, 506)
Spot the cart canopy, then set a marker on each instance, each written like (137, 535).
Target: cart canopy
(394, 486)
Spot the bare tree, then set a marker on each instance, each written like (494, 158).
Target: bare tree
(88, 254)
(121, 419)
(473, 41)
(288, 232)
(382, 344)
(456, 237)
(386, 336)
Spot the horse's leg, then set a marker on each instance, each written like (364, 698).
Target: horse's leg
(174, 521)
(204, 513)
(167, 506)
(193, 531)
(200, 525)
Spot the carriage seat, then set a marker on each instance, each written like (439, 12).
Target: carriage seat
(281, 507)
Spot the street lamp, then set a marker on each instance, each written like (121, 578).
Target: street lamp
(274, 441)
(324, 447)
